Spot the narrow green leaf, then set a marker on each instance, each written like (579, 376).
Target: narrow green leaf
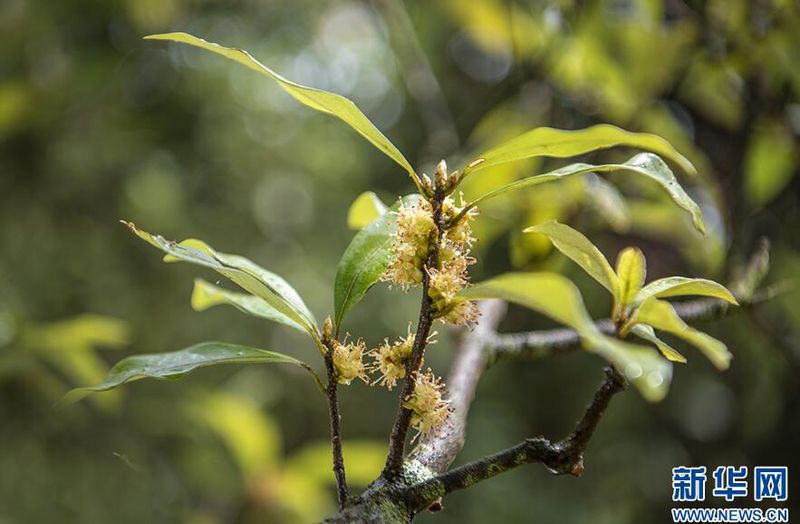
(244, 273)
(645, 164)
(365, 260)
(176, 364)
(581, 250)
(364, 209)
(662, 316)
(683, 286)
(322, 101)
(631, 271)
(206, 295)
(646, 332)
(559, 143)
(555, 296)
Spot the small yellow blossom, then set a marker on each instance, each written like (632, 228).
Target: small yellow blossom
(391, 359)
(461, 232)
(411, 244)
(429, 409)
(348, 361)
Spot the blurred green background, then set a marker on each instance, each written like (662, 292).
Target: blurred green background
(97, 125)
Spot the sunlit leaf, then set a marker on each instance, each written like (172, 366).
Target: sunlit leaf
(546, 141)
(770, 162)
(244, 273)
(176, 364)
(329, 103)
(365, 459)
(662, 316)
(364, 209)
(631, 273)
(555, 296)
(252, 437)
(682, 286)
(581, 250)
(364, 261)
(646, 332)
(645, 164)
(206, 295)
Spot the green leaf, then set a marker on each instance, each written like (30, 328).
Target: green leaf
(365, 459)
(770, 162)
(244, 273)
(322, 101)
(646, 332)
(645, 164)
(364, 209)
(558, 143)
(555, 296)
(364, 261)
(176, 364)
(662, 316)
(609, 203)
(631, 273)
(581, 250)
(206, 295)
(683, 286)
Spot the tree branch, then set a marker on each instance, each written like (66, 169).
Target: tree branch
(543, 343)
(397, 439)
(560, 458)
(336, 432)
(437, 451)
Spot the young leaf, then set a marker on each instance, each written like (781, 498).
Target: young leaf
(364, 209)
(558, 143)
(206, 295)
(645, 164)
(323, 101)
(176, 364)
(581, 250)
(631, 273)
(364, 261)
(662, 316)
(244, 273)
(682, 286)
(555, 296)
(646, 332)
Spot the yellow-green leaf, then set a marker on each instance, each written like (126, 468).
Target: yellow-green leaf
(770, 162)
(206, 295)
(243, 272)
(546, 141)
(364, 209)
(662, 316)
(631, 271)
(556, 297)
(365, 459)
(646, 332)
(645, 164)
(581, 250)
(683, 286)
(322, 101)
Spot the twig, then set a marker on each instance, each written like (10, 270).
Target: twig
(397, 439)
(438, 450)
(560, 458)
(336, 432)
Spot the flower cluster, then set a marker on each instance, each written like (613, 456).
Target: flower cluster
(411, 244)
(451, 276)
(391, 359)
(348, 361)
(428, 409)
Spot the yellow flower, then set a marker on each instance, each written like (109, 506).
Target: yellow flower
(390, 360)
(429, 409)
(348, 361)
(411, 244)
(461, 232)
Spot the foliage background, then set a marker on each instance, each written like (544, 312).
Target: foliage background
(97, 125)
